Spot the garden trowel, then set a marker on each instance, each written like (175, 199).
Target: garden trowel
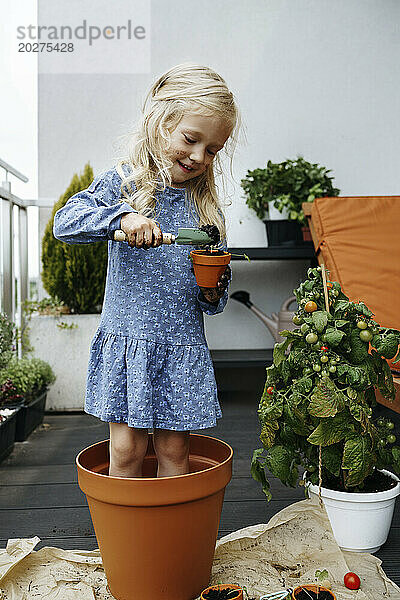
(186, 236)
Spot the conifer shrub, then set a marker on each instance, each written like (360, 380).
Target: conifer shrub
(74, 273)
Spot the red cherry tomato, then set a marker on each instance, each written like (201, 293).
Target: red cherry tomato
(352, 581)
(270, 390)
(310, 306)
(324, 348)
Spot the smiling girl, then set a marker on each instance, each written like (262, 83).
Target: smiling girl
(150, 365)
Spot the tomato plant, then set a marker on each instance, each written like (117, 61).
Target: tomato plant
(323, 376)
(352, 581)
(270, 390)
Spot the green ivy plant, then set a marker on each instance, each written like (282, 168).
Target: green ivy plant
(288, 184)
(319, 391)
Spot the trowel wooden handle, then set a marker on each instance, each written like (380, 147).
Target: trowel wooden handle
(120, 236)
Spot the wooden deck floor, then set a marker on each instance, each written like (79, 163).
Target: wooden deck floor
(39, 494)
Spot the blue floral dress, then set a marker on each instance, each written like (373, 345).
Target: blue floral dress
(149, 364)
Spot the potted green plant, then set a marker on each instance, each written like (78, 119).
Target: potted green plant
(317, 412)
(8, 392)
(284, 187)
(30, 379)
(222, 591)
(312, 592)
(8, 417)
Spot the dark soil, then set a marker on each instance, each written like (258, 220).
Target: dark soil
(209, 253)
(221, 594)
(213, 232)
(308, 594)
(377, 482)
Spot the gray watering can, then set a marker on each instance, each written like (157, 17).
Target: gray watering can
(276, 322)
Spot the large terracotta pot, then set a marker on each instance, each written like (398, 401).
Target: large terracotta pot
(208, 267)
(157, 535)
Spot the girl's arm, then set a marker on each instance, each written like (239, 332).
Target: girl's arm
(213, 308)
(92, 215)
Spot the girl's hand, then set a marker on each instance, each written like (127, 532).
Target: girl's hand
(141, 231)
(214, 294)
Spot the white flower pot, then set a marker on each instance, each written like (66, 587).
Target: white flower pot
(67, 352)
(360, 522)
(274, 214)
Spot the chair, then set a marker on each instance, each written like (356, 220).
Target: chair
(358, 240)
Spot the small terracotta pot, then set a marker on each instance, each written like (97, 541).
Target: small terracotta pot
(311, 588)
(208, 267)
(306, 234)
(157, 535)
(224, 586)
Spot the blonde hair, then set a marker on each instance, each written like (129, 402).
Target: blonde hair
(185, 88)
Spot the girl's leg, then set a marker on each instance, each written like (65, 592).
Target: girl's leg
(172, 450)
(128, 447)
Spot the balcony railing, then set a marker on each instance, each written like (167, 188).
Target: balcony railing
(13, 248)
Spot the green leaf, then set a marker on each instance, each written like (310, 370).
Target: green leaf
(333, 336)
(357, 411)
(326, 400)
(387, 346)
(357, 377)
(361, 308)
(303, 385)
(341, 306)
(286, 373)
(320, 320)
(358, 459)
(279, 352)
(296, 418)
(331, 430)
(280, 463)
(341, 322)
(396, 459)
(270, 408)
(358, 348)
(332, 459)
(258, 473)
(388, 390)
(268, 432)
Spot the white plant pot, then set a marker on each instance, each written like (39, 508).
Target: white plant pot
(67, 352)
(360, 522)
(274, 214)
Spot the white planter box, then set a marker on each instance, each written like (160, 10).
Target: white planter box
(360, 522)
(67, 352)
(274, 214)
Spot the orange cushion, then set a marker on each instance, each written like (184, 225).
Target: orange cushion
(359, 239)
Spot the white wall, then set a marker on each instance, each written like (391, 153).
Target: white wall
(311, 77)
